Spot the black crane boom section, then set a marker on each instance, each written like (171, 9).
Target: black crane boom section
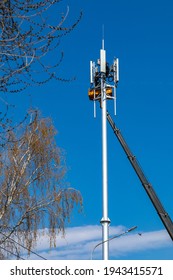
(166, 220)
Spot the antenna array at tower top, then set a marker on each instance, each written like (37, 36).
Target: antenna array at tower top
(109, 73)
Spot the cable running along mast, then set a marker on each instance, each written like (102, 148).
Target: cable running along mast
(166, 220)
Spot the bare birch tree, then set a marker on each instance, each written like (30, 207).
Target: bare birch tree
(32, 191)
(30, 31)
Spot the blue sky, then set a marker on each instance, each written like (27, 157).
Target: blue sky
(139, 33)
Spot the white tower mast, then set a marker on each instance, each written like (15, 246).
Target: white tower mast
(105, 220)
(103, 80)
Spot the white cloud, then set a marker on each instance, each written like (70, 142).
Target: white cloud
(79, 242)
(137, 243)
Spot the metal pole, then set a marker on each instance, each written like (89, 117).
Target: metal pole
(105, 220)
(99, 76)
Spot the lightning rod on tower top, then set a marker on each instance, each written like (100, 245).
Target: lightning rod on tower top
(103, 83)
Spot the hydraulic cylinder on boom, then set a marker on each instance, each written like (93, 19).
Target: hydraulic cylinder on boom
(166, 220)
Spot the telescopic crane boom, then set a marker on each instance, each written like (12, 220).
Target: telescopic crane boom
(166, 220)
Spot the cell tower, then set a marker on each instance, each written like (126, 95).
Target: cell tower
(103, 83)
